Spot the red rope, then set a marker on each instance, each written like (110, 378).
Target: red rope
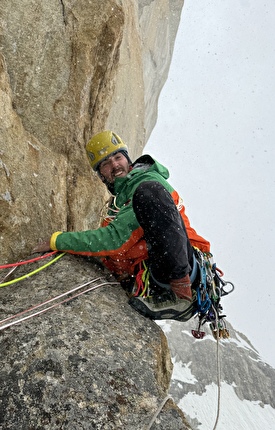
(139, 282)
(20, 263)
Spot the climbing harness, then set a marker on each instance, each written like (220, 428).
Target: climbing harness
(13, 281)
(40, 305)
(208, 288)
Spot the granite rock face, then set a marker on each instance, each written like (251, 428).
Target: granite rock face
(68, 70)
(89, 363)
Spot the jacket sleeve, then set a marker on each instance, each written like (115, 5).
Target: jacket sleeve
(113, 239)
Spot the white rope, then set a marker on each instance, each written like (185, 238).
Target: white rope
(54, 305)
(218, 372)
(8, 274)
(157, 412)
(48, 301)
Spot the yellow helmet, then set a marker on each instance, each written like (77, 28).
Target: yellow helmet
(102, 145)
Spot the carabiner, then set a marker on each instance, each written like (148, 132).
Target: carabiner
(223, 291)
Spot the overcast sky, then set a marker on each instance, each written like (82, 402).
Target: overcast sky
(215, 133)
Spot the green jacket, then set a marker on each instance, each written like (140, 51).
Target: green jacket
(119, 243)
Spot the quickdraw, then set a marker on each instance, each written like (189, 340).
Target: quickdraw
(13, 281)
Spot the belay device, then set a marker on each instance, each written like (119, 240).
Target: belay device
(209, 288)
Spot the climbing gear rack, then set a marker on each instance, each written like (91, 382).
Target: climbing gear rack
(210, 288)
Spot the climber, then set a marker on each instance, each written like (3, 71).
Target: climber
(146, 223)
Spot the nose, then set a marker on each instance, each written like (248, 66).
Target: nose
(115, 163)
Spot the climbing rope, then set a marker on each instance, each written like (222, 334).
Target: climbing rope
(157, 412)
(48, 301)
(19, 263)
(13, 281)
(8, 274)
(2, 327)
(142, 282)
(218, 370)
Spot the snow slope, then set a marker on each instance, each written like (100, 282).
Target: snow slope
(239, 407)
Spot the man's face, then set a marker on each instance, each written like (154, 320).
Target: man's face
(115, 166)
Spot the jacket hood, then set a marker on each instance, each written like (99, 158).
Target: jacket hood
(151, 164)
(144, 168)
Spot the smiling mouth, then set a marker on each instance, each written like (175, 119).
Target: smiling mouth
(118, 173)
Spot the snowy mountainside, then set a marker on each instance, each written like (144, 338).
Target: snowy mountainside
(246, 382)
